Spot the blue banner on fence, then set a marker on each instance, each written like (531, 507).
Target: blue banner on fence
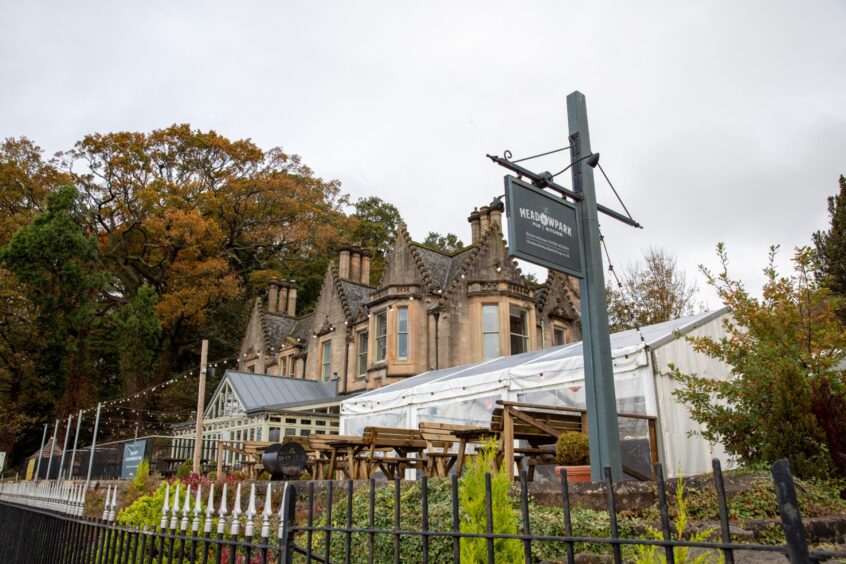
(133, 454)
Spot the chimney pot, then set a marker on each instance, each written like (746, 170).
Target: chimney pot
(292, 299)
(485, 219)
(283, 298)
(355, 264)
(273, 296)
(344, 263)
(365, 267)
(475, 230)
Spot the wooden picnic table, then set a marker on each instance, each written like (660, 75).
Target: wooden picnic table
(390, 450)
(541, 425)
(445, 444)
(343, 455)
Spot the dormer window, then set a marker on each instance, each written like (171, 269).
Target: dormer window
(559, 335)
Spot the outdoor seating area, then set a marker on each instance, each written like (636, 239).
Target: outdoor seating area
(524, 434)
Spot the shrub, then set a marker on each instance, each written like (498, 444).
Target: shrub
(185, 469)
(473, 503)
(146, 510)
(142, 474)
(652, 554)
(572, 449)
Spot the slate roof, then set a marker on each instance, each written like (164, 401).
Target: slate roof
(356, 294)
(258, 391)
(302, 328)
(442, 267)
(276, 328)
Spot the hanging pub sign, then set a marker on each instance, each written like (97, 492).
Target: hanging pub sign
(542, 229)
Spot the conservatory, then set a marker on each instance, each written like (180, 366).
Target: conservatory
(555, 376)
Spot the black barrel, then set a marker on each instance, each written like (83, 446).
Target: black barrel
(284, 461)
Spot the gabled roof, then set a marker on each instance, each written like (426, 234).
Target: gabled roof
(257, 391)
(353, 295)
(302, 328)
(276, 328)
(45, 452)
(441, 267)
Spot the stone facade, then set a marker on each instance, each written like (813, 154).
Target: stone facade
(430, 310)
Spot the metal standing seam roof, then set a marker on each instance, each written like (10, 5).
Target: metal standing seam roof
(654, 336)
(256, 391)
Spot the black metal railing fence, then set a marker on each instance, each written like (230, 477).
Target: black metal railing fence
(303, 528)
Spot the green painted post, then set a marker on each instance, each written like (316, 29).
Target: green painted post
(596, 345)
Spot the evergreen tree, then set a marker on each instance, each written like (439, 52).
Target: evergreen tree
(58, 267)
(831, 245)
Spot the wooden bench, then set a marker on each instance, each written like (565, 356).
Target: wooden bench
(443, 448)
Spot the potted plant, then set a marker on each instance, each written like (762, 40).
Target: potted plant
(572, 451)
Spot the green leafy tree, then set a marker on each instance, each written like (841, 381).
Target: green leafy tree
(376, 230)
(781, 348)
(449, 243)
(58, 267)
(831, 245)
(650, 291)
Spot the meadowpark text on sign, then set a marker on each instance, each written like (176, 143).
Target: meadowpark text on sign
(542, 228)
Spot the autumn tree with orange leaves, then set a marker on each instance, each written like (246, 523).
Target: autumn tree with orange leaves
(196, 222)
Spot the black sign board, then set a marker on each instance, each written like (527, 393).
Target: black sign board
(542, 228)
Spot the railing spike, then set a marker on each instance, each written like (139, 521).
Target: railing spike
(236, 513)
(251, 512)
(266, 515)
(105, 516)
(207, 525)
(195, 524)
(163, 524)
(221, 522)
(186, 507)
(174, 509)
(112, 511)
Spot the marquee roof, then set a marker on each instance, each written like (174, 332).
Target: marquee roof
(622, 344)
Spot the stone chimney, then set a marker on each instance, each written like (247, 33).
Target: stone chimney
(365, 266)
(292, 298)
(344, 263)
(283, 298)
(496, 214)
(273, 296)
(484, 220)
(355, 264)
(475, 229)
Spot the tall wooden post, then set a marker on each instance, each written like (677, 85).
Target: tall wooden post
(201, 406)
(600, 395)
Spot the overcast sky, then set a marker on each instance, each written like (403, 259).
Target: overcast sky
(717, 121)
